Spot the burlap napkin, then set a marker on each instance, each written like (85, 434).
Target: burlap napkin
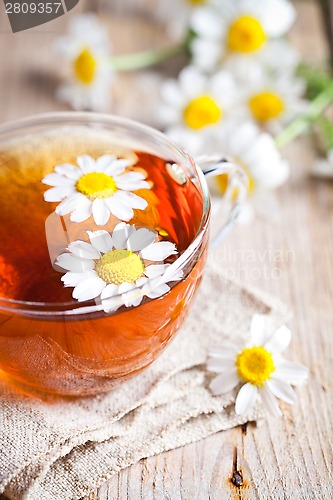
(65, 449)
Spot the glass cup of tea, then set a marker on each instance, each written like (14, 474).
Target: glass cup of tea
(104, 228)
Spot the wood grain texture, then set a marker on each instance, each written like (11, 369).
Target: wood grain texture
(292, 258)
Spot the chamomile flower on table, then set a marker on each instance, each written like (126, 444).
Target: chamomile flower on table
(272, 101)
(85, 50)
(255, 151)
(119, 268)
(259, 366)
(195, 105)
(242, 27)
(96, 188)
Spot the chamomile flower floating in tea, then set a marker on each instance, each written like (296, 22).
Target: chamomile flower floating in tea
(257, 153)
(237, 28)
(116, 265)
(98, 188)
(259, 366)
(195, 105)
(85, 50)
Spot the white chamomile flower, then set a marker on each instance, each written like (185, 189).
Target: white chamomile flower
(323, 168)
(85, 50)
(242, 27)
(117, 268)
(96, 187)
(257, 153)
(195, 105)
(272, 101)
(259, 366)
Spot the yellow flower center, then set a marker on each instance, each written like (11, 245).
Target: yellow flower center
(223, 181)
(119, 266)
(201, 112)
(96, 185)
(85, 67)
(245, 35)
(266, 106)
(255, 365)
(196, 2)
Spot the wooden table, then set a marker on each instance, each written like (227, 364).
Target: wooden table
(289, 457)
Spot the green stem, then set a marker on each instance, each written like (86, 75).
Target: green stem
(300, 124)
(144, 59)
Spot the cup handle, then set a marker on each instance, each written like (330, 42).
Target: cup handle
(235, 194)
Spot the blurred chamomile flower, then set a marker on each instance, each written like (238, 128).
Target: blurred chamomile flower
(85, 49)
(257, 154)
(272, 101)
(195, 105)
(259, 366)
(242, 27)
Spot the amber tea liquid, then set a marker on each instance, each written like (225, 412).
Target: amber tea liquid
(81, 353)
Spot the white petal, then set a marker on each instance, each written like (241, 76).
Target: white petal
(140, 239)
(68, 170)
(282, 390)
(74, 263)
(158, 251)
(73, 202)
(278, 17)
(290, 372)
(192, 82)
(224, 383)
(88, 289)
(129, 177)
(84, 250)
(100, 211)
(279, 340)
(73, 279)
(105, 161)
(270, 402)
(86, 164)
(206, 53)
(226, 350)
(153, 292)
(117, 167)
(133, 186)
(119, 209)
(131, 199)
(246, 398)
(259, 328)
(109, 291)
(126, 287)
(220, 366)
(83, 212)
(153, 271)
(206, 23)
(120, 235)
(101, 240)
(171, 94)
(58, 193)
(57, 180)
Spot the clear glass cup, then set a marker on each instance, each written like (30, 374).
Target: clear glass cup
(76, 348)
